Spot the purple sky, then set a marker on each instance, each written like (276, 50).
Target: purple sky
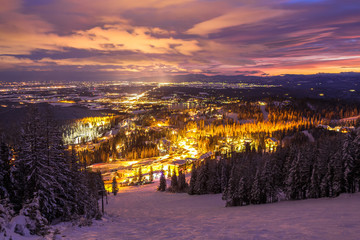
(123, 38)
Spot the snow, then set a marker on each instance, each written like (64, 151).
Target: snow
(309, 135)
(19, 220)
(350, 119)
(142, 213)
(265, 113)
(233, 116)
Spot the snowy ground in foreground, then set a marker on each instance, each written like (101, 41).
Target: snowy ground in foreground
(146, 214)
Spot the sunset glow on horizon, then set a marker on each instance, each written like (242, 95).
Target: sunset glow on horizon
(121, 39)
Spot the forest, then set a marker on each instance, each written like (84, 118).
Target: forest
(300, 170)
(42, 182)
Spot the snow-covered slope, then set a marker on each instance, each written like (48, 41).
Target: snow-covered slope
(143, 213)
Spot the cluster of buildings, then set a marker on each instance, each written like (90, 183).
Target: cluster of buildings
(341, 129)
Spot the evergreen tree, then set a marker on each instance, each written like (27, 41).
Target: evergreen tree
(182, 182)
(41, 178)
(201, 179)
(5, 179)
(256, 189)
(223, 178)
(193, 180)
(162, 185)
(140, 177)
(293, 180)
(151, 174)
(169, 172)
(348, 153)
(269, 188)
(231, 198)
(174, 182)
(241, 193)
(114, 186)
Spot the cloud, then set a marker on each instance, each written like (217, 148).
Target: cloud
(175, 37)
(240, 16)
(107, 38)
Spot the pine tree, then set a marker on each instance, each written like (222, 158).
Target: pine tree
(169, 172)
(41, 183)
(315, 191)
(174, 182)
(348, 153)
(5, 179)
(162, 185)
(356, 143)
(216, 187)
(140, 177)
(201, 180)
(151, 174)
(269, 188)
(114, 186)
(230, 192)
(224, 181)
(192, 180)
(293, 179)
(241, 194)
(182, 182)
(256, 192)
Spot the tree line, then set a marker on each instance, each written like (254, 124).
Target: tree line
(300, 170)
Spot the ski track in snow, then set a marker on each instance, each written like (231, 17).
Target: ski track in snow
(143, 213)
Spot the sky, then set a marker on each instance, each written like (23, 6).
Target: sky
(135, 38)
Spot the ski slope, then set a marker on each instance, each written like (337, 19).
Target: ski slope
(143, 213)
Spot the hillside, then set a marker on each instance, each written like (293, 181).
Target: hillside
(147, 214)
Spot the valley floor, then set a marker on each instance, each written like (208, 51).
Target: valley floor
(143, 213)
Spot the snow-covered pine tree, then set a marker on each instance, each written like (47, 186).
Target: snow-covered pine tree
(335, 175)
(18, 181)
(34, 220)
(269, 188)
(192, 180)
(56, 158)
(90, 196)
(140, 177)
(5, 217)
(174, 182)
(230, 191)
(241, 193)
(217, 180)
(256, 189)
(314, 191)
(151, 174)
(293, 178)
(322, 167)
(182, 182)
(114, 186)
(5, 179)
(224, 179)
(213, 179)
(356, 143)
(162, 184)
(305, 169)
(348, 154)
(201, 179)
(40, 175)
